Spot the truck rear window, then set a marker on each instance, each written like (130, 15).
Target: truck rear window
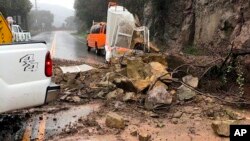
(95, 29)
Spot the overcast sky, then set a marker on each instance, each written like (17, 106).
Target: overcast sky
(65, 3)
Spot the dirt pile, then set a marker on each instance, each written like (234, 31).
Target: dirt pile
(143, 77)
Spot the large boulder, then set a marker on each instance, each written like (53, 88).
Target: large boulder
(243, 39)
(222, 128)
(135, 68)
(158, 95)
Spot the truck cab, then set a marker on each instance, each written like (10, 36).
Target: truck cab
(97, 37)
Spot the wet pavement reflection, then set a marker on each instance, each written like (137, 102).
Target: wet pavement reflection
(64, 45)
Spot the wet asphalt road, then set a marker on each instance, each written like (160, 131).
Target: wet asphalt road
(64, 45)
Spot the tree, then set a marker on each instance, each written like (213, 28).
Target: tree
(18, 9)
(41, 20)
(96, 10)
(70, 23)
(136, 7)
(92, 10)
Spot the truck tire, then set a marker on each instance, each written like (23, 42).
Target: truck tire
(97, 51)
(88, 47)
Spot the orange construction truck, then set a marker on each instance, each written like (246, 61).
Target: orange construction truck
(97, 37)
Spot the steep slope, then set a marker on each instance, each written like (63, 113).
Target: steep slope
(199, 23)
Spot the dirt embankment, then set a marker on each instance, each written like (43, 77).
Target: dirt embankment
(213, 24)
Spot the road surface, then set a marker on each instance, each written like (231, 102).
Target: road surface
(64, 45)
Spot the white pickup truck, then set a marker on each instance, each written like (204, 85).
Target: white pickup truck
(25, 76)
(19, 35)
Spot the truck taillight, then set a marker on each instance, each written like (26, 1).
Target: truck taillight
(48, 65)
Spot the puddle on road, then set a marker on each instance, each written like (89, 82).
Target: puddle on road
(59, 122)
(11, 127)
(52, 124)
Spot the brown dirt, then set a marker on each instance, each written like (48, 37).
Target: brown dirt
(193, 125)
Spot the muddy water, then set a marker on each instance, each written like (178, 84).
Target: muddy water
(11, 127)
(59, 122)
(42, 126)
(56, 123)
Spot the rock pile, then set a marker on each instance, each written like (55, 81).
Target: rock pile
(142, 77)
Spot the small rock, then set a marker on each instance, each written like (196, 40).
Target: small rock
(114, 94)
(188, 109)
(209, 100)
(129, 96)
(160, 125)
(133, 130)
(58, 71)
(100, 94)
(175, 120)
(64, 97)
(143, 136)
(159, 83)
(178, 114)
(76, 99)
(190, 80)
(198, 119)
(222, 128)
(184, 93)
(133, 133)
(173, 92)
(233, 115)
(119, 105)
(105, 84)
(119, 91)
(114, 120)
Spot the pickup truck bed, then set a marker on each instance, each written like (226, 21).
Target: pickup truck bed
(23, 79)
